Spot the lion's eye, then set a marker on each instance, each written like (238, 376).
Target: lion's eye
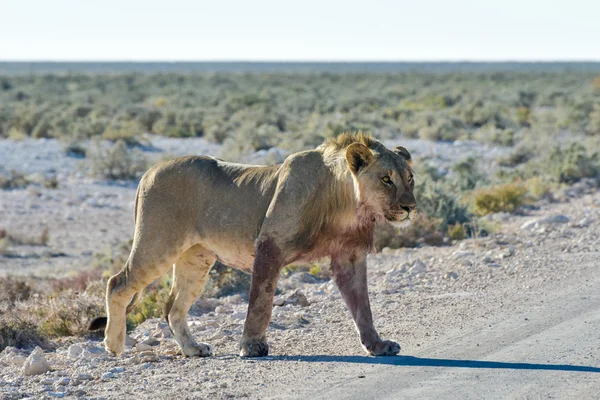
(410, 178)
(386, 179)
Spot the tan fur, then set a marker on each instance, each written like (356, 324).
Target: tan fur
(326, 202)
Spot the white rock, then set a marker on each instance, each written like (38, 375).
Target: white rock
(16, 360)
(75, 351)
(129, 341)
(393, 275)
(48, 381)
(419, 268)
(239, 316)
(584, 222)
(36, 363)
(117, 370)
(223, 310)
(529, 225)
(463, 254)
(84, 377)
(278, 301)
(554, 219)
(151, 342)
(107, 375)
(143, 347)
(63, 381)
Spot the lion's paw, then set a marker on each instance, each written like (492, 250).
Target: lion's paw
(115, 346)
(198, 350)
(384, 348)
(254, 348)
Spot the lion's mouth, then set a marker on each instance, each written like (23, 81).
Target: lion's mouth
(399, 215)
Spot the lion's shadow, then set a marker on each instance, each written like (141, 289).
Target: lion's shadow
(409, 361)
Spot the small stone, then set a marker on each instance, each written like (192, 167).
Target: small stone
(36, 363)
(462, 254)
(16, 360)
(465, 263)
(223, 310)
(75, 351)
(151, 342)
(48, 381)
(418, 269)
(239, 316)
(297, 298)
(108, 375)
(129, 341)
(278, 301)
(555, 219)
(117, 370)
(56, 394)
(133, 360)
(143, 347)
(63, 381)
(528, 225)
(451, 275)
(584, 222)
(393, 275)
(84, 377)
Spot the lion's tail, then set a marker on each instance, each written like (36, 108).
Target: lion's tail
(100, 323)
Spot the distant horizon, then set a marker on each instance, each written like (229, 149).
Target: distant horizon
(307, 61)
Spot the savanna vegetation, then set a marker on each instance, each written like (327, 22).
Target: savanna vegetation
(550, 121)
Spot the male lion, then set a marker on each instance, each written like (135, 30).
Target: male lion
(192, 211)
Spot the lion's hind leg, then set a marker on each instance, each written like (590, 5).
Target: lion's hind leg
(189, 276)
(140, 270)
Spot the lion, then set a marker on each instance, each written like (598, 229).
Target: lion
(192, 211)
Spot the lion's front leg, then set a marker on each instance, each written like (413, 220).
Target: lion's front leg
(267, 265)
(350, 274)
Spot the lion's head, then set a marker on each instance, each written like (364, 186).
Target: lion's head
(384, 180)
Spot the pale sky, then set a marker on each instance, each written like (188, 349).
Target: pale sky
(299, 30)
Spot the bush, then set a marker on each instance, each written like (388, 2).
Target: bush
(117, 161)
(438, 201)
(573, 163)
(457, 232)
(500, 198)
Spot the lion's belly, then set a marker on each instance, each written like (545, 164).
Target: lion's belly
(235, 255)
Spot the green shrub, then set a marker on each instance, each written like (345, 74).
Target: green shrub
(457, 232)
(500, 198)
(573, 163)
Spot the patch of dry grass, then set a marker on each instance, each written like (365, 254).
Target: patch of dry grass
(500, 198)
(8, 240)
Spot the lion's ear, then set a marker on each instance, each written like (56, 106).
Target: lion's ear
(358, 156)
(402, 152)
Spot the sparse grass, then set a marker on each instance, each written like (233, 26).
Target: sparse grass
(9, 239)
(499, 198)
(20, 180)
(33, 310)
